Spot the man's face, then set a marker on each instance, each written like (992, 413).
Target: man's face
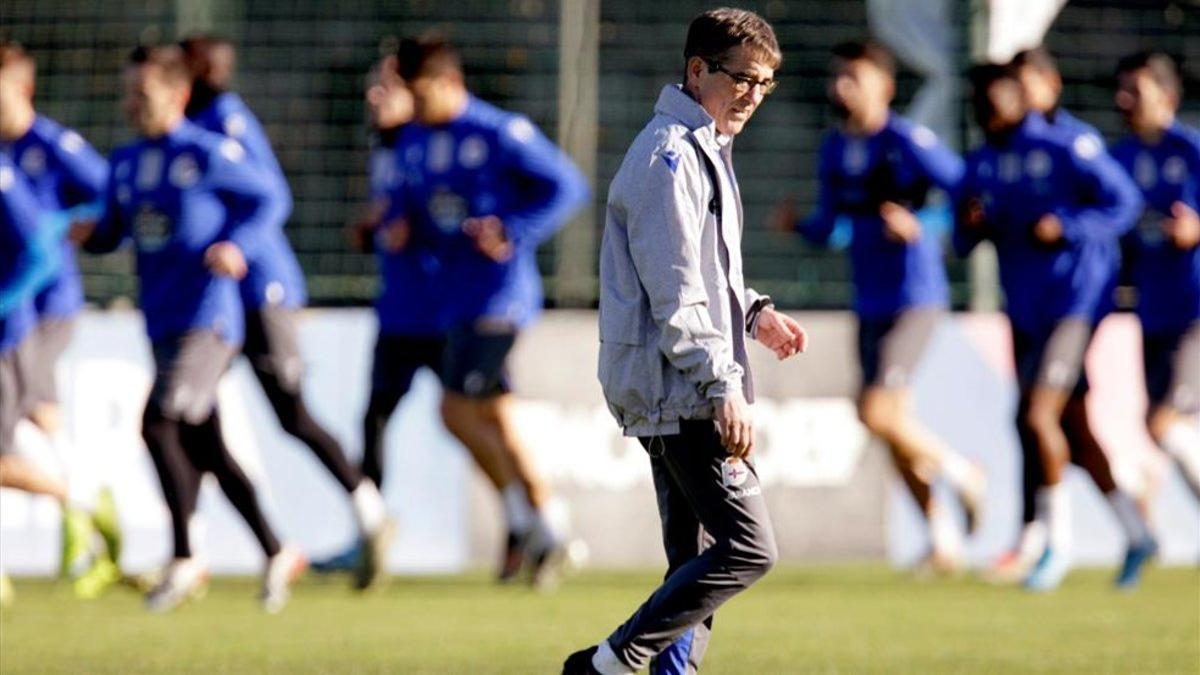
(1142, 101)
(435, 96)
(16, 90)
(1042, 88)
(859, 88)
(1001, 107)
(151, 103)
(732, 92)
(389, 102)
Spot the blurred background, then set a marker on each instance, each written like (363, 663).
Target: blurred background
(588, 73)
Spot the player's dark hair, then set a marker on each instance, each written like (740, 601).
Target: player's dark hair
(1039, 58)
(1161, 66)
(168, 58)
(210, 58)
(983, 75)
(429, 56)
(712, 34)
(866, 50)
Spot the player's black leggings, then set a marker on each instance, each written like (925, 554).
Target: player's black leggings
(379, 411)
(296, 420)
(182, 454)
(271, 345)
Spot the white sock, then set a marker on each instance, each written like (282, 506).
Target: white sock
(605, 660)
(517, 511)
(1126, 511)
(195, 532)
(369, 508)
(944, 532)
(1182, 443)
(1032, 542)
(958, 470)
(1055, 507)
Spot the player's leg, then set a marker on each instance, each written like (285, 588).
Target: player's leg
(890, 351)
(51, 338)
(1058, 374)
(477, 409)
(185, 576)
(272, 347)
(1015, 564)
(728, 502)
(1172, 363)
(1086, 452)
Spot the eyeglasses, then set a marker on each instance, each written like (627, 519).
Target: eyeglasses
(743, 83)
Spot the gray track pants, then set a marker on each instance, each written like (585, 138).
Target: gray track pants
(718, 541)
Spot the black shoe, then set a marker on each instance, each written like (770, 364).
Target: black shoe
(580, 663)
(514, 557)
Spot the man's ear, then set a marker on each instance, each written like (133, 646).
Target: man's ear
(695, 66)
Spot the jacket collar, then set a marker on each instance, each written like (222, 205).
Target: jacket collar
(674, 103)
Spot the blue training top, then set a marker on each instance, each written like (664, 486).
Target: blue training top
(1034, 171)
(175, 196)
(485, 162)
(274, 277)
(1166, 277)
(901, 163)
(65, 172)
(28, 257)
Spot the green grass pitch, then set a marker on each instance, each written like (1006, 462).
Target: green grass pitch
(848, 619)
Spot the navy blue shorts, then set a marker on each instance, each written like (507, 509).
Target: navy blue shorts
(889, 350)
(399, 357)
(1172, 363)
(474, 363)
(1053, 358)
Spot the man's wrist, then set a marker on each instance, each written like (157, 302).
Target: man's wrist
(760, 305)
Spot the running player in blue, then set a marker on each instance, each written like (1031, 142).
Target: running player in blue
(1054, 206)
(878, 169)
(195, 208)
(272, 294)
(482, 188)
(64, 172)
(1042, 85)
(1162, 253)
(29, 260)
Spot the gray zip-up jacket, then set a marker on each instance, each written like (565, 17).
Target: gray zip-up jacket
(673, 305)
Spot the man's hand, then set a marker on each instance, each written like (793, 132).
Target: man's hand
(81, 231)
(360, 233)
(783, 217)
(733, 418)
(394, 235)
(1183, 227)
(974, 215)
(1049, 229)
(225, 259)
(780, 333)
(899, 224)
(490, 237)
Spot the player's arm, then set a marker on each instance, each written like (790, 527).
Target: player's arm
(1109, 202)
(818, 226)
(553, 187)
(970, 218)
(104, 230)
(937, 162)
(663, 226)
(84, 170)
(244, 127)
(254, 198)
(36, 259)
(1182, 227)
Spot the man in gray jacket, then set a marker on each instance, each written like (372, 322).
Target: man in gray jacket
(675, 317)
